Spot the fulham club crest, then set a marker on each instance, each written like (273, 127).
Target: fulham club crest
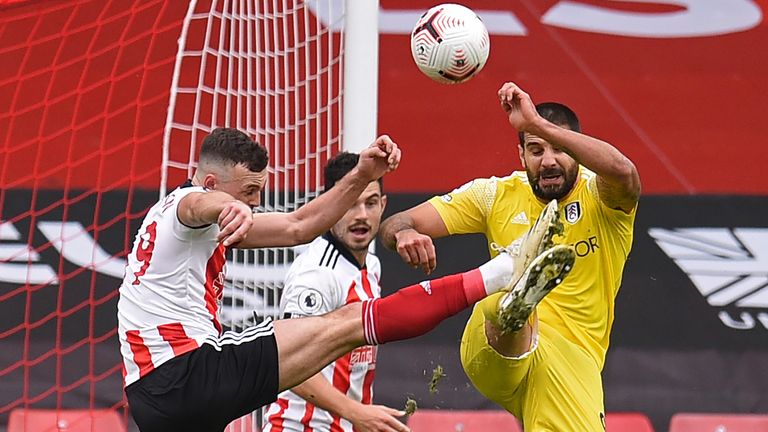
(573, 212)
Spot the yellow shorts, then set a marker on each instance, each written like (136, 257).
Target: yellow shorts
(556, 387)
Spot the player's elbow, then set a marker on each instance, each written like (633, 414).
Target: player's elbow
(303, 228)
(296, 234)
(625, 173)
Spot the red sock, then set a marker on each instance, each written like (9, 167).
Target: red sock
(417, 309)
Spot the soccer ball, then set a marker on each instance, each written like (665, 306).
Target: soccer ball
(450, 43)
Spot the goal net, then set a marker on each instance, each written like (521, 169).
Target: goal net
(107, 100)
(272, 69)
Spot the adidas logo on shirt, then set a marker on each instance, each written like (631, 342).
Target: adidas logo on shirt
(520, 218)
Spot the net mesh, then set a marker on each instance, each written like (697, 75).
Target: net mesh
(102, 102)
(272, 69)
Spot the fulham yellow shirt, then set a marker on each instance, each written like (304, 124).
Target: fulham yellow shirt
(582, 307)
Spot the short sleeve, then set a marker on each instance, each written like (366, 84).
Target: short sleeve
(310, 292)
(465, 209)
(181, 231)
(618, 223)
(618, 214)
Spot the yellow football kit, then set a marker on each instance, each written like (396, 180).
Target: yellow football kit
(556, 386)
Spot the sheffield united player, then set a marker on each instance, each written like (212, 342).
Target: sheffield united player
(335, 270)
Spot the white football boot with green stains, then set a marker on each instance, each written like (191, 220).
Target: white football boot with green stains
(541, 276)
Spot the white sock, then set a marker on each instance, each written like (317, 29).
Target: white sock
(497, 273)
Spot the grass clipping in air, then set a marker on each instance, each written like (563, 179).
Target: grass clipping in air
(410, 406)
(437, 374)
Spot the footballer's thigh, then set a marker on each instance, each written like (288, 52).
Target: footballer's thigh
(306, 345)
(499, 378)
(554, 387)
(564, 388)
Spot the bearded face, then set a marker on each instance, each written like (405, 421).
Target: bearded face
(553, 183)
(551, 172)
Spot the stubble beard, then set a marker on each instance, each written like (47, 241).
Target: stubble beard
(554, 192)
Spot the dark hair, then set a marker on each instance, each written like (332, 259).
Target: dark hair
(558, 114)
(229, 145)
(339, 165)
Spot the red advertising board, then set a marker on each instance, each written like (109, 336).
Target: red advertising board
(683, 97)
(677, 85)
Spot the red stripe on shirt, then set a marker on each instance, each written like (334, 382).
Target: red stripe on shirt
(214, 283)
(352, 296)
(175, 335)
(341, 383)
(141, 355)
(309, 411)
(368, 386)
(366, 283)
(276, 419)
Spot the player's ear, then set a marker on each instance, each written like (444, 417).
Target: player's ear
(383, 203)
(521, 152)
(210, 181)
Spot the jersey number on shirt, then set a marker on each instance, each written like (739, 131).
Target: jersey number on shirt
(144, 249)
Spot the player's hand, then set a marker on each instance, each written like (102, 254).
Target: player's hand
(235, 220)
(518, 105)
(417, 250)
(377, 418)
(381, 157)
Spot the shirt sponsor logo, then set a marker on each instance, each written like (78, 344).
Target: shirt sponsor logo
(363, 358)
(728, 266)
(586, 246)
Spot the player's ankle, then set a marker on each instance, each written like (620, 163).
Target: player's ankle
(497, 273)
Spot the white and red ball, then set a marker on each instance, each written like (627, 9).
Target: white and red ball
(450, 43)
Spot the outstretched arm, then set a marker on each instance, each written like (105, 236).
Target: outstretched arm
(317, 216)
(618, 181)
(410, 233)
(318, 391)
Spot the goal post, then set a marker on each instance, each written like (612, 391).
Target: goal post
(361, 74)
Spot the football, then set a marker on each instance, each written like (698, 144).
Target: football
(450, 43)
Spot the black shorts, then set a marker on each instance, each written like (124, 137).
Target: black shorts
(205, 389)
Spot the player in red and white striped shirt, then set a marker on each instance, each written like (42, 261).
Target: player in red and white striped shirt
(336, 269)
(182, 372)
